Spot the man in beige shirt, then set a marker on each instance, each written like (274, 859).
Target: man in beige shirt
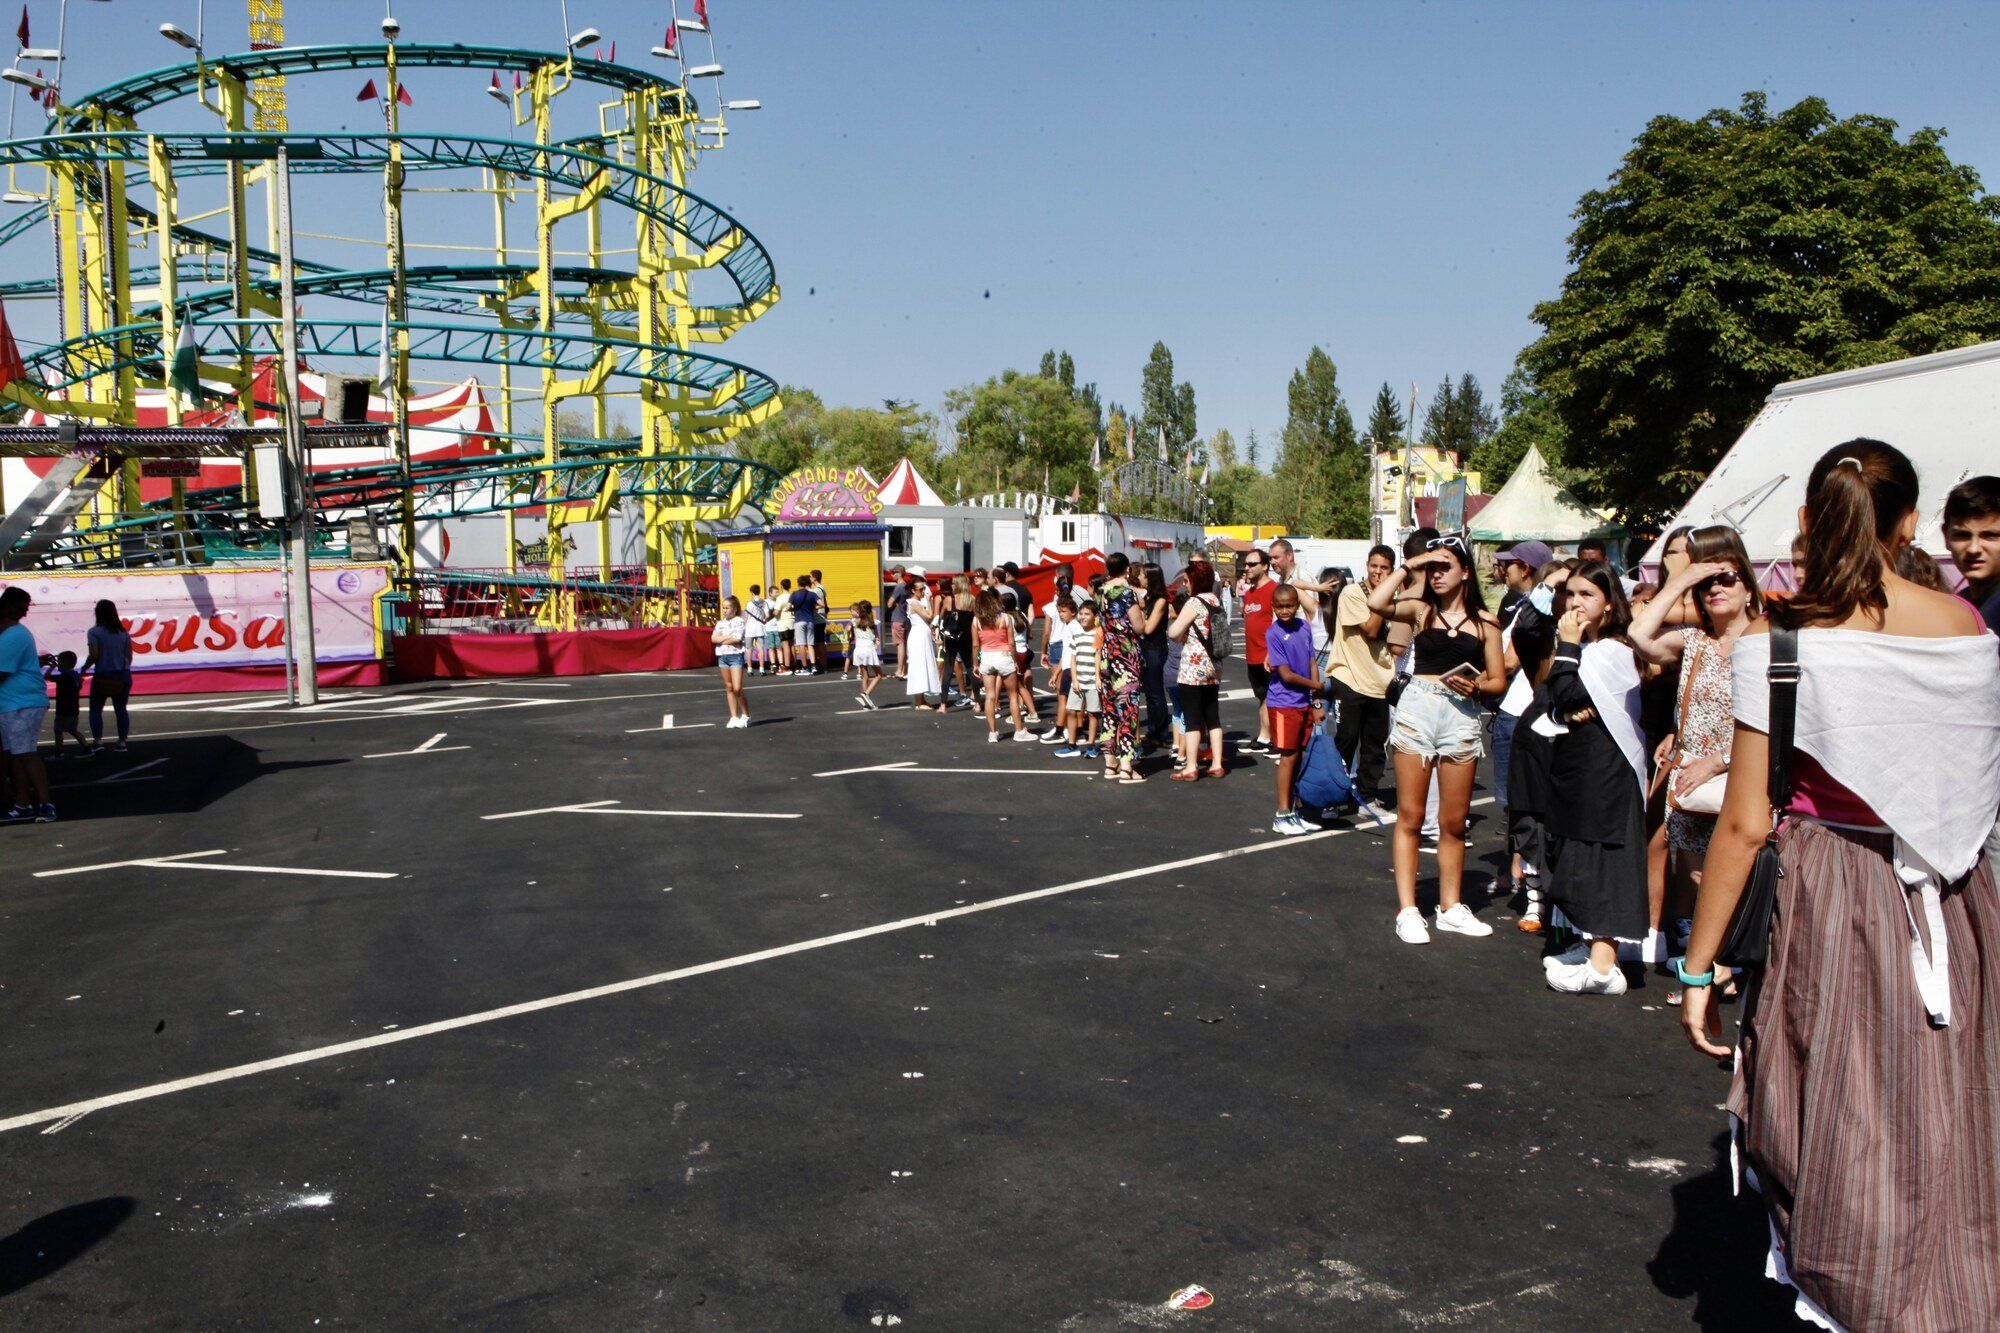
(1363, 665)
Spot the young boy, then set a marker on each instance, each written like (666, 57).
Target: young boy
(786, 624)
(1055, 640)
(756, 612)
(1289, 656)
(1084, 647)
(1972, 534)
(69, 707)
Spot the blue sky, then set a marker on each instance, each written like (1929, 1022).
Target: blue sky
(1391, 181)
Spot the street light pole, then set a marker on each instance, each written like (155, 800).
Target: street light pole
(298, 526)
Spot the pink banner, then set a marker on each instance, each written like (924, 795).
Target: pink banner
(208, 619)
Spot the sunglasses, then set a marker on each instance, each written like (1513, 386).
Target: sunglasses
(1728, 578)
(1450, 539)
(1255, 564)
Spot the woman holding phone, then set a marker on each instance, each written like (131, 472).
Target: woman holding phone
(1456, 661)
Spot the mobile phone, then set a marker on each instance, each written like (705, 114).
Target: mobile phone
(1466, 669)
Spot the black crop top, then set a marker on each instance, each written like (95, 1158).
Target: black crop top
(1440, 648)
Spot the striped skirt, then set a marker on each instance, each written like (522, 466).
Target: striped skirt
(1875, 1137)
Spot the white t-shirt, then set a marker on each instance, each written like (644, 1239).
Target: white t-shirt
(1059, 629)
(728, 634)
(756, 613)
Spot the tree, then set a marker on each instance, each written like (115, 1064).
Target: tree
(1016, 431)
(1457, 418)
(1251, 449)
(1527, 417)
(1241, 494)
(1322, 467)
(1741, 249)
(1066, 371)
(808, 433)
(1385, 420)
(1165, 407)
(1220, 449)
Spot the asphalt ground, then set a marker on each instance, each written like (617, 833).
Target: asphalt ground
(977, 1042)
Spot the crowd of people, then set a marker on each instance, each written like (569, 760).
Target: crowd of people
(28, 676)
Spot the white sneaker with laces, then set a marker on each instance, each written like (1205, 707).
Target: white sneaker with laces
(1460, 921)
(1570, 957)
(1410, 927)
(1581, 980)
(1024, 736)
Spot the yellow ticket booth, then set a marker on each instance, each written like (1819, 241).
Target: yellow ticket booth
(825, 520)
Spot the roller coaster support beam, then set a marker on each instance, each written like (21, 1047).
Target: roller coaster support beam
(399, 362)
(301, 648)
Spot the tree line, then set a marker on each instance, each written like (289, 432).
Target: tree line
(1725, 254)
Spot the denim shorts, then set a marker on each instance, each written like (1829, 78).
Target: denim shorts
(21, 729)
(729, 659)
(1434, 723)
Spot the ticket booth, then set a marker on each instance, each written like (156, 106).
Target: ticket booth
(824, 519)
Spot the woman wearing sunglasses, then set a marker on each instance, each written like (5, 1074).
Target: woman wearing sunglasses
(1719, 581)
(1456, 660)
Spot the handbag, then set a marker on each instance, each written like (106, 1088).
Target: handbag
(1748, 942)
(1707, 798)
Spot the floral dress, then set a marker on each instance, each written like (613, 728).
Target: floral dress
(1705, 725)
(1123, 667)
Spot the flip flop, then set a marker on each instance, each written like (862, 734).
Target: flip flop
(1130, 779)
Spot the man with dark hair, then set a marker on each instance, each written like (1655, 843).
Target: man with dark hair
(24, 702)
(819, 622)
(1358, 680)
(1014, 585)
(1256, 593)
(896, 598)
(805, 629)
(1972, 534)
(1590, 548)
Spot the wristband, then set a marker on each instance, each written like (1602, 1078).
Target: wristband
(1694, 979)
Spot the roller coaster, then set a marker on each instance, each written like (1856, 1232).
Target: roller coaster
(140, 289)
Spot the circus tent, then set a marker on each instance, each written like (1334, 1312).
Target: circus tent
(906, 486)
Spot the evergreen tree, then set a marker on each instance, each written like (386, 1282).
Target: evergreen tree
(1165, 408)
(1322, 466)
(1048, 368)
(1457, 418)
(1251, 449)
(1385, 420)
(1066, 371)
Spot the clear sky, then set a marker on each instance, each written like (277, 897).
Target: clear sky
(1243, 180)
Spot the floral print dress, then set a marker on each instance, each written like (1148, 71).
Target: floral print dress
(1123, 668)
(1705, 724)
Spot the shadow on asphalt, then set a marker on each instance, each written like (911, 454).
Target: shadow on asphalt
(178, 775)
(1715, 1253)
(52, 1242)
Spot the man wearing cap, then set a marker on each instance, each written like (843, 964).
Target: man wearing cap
(1516, 565)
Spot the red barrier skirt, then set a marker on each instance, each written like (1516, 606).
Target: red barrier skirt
(588, 652)
(268, 676)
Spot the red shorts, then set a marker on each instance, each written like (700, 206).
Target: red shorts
(1289, 727)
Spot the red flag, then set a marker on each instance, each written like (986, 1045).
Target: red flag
(517, 80)
(494, 86)
(403, 94)
(47, 96)
(672, 37)
(701, 10)
(368, 93)
(612, 54)
(11, 368)
(22, 31)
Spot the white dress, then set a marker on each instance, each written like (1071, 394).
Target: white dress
(922, 657)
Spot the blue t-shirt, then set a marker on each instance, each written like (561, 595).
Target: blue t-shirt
(21, 684)
(803, 605)
(1288, 643)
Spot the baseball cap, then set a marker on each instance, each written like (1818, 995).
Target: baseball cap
(1532, 554)
(914, 571)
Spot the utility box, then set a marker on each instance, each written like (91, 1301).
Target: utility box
(347, 399)
(273, 486)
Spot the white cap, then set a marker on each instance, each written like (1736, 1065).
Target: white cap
(917, 570)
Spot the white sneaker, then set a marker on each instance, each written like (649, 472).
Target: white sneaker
(992, 737)
(1024, 736)
(1410, 927)
(1576, 953)
(1581, 980)
(861, 699)
(1460, 921)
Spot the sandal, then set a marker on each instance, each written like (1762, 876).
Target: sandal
(1130, 779)
(1185, 775)
(1218, 773)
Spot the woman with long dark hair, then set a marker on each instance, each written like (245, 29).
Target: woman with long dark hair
(110, 668)
(1596, 824)
(1456, 660)
(1156, 608)
(1123, 667)
(1196, 628)
(1869, 1050)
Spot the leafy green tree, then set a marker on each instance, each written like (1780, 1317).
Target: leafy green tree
(1741, 249)
(1252, 447)
(1322, 466)
(1220, 449)
(1240, 493)
(1527, 417)
(1164, 406)
(1015, 430)
(1385, 420)
(807, 433)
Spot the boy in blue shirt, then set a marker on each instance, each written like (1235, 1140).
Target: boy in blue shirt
(1288, 656)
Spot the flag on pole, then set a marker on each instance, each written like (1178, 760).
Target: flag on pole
(1163, 444)
(494, 90)
(383, 372)
(22, 31)
(1131, 447)
(11, 367)
(701, 10)
(1076, 491)
(1097, 454)
(611, 53)
(517, 80)
(403, 95)
(368, 93)
(672, 37)
(185, 373)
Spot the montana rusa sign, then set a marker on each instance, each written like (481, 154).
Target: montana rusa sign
(825, 495)
(212, 618)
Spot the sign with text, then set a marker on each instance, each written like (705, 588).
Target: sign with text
(211, 617)
(825, 495)
(1451, 506)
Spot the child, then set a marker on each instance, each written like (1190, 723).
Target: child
(69, 705)
(1055, 641)
(1294, 681)
(756, 615)
(728, 640)
(1083, 648)
(866, 652)
(787, 622)
(994, 636)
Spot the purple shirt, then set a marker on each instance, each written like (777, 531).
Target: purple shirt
(1288, 643)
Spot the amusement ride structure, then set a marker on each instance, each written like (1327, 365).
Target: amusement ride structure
(579, 270)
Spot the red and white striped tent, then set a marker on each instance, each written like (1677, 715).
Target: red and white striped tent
(906, 486)
(454, 422)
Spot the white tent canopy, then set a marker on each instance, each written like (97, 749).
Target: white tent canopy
(1943, 410)
(1534, 506)
(906, 486)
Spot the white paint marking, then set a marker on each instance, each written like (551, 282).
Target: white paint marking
(682, 814)
(1410, 1138)
(910, 767)
(1659, 1166)
(188, 861)
(872, 768)
(338, 1049)
(549, 810)
(430, 746)
(667, 724)
(64, 1123)
(120, 865)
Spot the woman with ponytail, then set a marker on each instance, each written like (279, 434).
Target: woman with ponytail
(1869, 1050)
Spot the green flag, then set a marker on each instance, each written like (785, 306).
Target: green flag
(185, 373)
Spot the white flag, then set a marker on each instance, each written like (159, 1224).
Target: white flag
(385, 359)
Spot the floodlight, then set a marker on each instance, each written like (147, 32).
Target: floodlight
(690, 25)
(19, 197)
(588, 37)
(39, 53)
(25, 79)
(178, 37)
(746, 104)
(664, 54)
(705, 72)
(390, 28)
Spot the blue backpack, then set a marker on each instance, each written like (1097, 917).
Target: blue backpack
(1323, 780)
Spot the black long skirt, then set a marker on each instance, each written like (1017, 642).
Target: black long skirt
(1601, 886)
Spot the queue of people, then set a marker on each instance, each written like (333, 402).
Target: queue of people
(28, 676)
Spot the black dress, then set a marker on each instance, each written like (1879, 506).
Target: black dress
(1528, 790)
(1595, 820)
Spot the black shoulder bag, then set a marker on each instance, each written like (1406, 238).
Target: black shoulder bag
(1749, 939)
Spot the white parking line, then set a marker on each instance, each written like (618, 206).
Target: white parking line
(549, 810)
(196, 861)
(871, 768)
(378, 1039)
(430, 746)
(618, 808)
(911, 767)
